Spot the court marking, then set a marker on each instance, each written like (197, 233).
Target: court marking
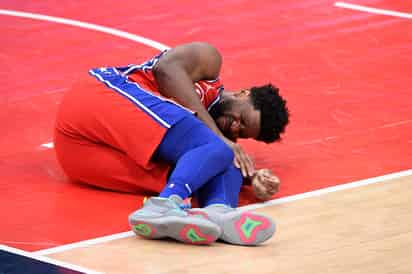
(316, 193)
(47, 259)
(85, 25)
(50, 145)
(150, 42)
(160, 46)
(373, 10)
(84, 243)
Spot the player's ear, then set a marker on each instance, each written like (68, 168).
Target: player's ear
(242, 93)
(245, 92)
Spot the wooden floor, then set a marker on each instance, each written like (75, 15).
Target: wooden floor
(363, 230)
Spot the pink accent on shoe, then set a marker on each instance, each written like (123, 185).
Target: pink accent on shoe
(265, 223)
(203, 238)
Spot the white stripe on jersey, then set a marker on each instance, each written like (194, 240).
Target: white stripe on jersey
(151, 113)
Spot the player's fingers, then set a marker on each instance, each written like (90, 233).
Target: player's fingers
(250, 165)
(271, 178)
(236, 161)
(264, 195)
(235, 148)
(266, 171)
(259, 189)
(270, 184)
(241, 163)
(273, 191)
(274, 178)
(241, 156)
(247, 162)
(243, 169)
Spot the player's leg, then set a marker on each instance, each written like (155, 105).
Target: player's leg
(219, 198)
(222, 189)
(198, 155)
(133, 121)
(101, 166)
(105, 167)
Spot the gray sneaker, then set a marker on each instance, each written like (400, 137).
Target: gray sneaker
(238, 227)
(164, 217)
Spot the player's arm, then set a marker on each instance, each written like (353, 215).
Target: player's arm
(175, 74)
(178, 70)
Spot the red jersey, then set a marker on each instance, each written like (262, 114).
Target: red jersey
(209, 91)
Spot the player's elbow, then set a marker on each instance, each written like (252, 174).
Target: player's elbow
(164, 69)
(199, 60)
(206, 48)
(209, 55)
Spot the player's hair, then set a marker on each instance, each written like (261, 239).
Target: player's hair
(274, 112)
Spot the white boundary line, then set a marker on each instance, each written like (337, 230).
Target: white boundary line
(160, 46)
(288, 199)
(319, 192)
(85, 25)
(373, 10)
(115, 32)
(85, 243)
(48, 145)
(47, 260)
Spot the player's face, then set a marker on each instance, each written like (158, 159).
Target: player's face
(238, 118)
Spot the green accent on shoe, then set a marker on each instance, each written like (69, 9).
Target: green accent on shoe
(192, 235)
(142, 229)
(248, 226)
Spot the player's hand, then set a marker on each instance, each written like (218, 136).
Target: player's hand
(265, 184)
(242, 159)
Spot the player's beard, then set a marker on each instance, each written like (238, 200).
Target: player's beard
(219, 113)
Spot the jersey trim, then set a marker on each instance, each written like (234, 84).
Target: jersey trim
(134, 100)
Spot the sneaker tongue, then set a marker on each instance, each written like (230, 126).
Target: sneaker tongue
(160, 204)
(176, 199)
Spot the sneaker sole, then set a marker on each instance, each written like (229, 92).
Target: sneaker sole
(198, 231)
(248, 229)
(244, 228)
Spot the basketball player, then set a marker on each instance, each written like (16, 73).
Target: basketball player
(122, 128)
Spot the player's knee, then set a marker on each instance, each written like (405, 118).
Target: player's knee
(235, 173)
(223, 153)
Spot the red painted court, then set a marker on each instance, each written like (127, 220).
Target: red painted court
(346, 75)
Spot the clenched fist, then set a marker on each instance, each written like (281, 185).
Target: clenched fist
(265, 184)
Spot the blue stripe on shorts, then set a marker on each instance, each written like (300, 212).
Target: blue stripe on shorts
(162, 111)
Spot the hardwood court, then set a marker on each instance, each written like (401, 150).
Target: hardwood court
(362, 230)
(344, 72)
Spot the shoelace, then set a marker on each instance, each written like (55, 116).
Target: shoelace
(184, 206)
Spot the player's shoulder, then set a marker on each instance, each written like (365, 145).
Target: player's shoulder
(201, 50)
(198, 45)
